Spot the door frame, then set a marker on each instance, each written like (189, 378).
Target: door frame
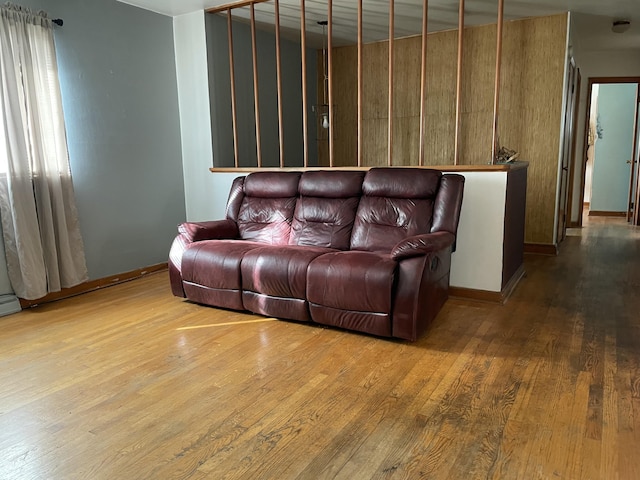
(570, 136)
(591, 82)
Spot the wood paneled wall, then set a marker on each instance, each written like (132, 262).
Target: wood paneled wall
(530, 115)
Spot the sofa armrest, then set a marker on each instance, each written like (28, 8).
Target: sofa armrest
(422, 245)
(219, 229)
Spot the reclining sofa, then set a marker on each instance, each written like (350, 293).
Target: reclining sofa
(366, 251)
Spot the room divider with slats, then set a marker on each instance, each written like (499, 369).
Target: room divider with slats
(359, 160)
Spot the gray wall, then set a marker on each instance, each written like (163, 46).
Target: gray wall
(119, 92)
(220, 96)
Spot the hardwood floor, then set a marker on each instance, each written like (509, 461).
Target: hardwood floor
(131, 383)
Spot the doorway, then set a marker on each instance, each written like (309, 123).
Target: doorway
(610, 161)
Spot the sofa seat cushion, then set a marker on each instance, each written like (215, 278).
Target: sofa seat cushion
(216, 263)
(279, 271)
(354, 280)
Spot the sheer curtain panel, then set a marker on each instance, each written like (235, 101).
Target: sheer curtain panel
(43, 245)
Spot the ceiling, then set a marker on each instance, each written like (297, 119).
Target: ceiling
(592, 18)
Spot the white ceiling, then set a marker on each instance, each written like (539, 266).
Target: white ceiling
(592, 18)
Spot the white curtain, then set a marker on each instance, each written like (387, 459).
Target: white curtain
(43, 245)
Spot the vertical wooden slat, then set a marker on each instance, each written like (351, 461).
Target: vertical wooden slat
(390, 127)
(360, 83)
(330, 75)
(303, 52)
(232, 75)
(254, 55)
(456, 151)
(279, 82)
(496, 94)
(423, 78)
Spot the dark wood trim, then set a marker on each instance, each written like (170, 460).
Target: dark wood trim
(390, 89)
(585, 148)
(303, 54)
(232, 79)
(572, 156)
(423, 77)
(513, 282)
(486, 295)
(256, 84)
(496, 84)
(456, 149)
(593, 80)
(276, 6)
(360, 83)
(585, 143)
(477, 295)
(231, 6)
(94, 285)
(444, 168)
(603, 213)
(330, 79)
(514, 224)
(541, 249)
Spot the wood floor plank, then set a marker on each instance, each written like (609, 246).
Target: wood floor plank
(131, 382)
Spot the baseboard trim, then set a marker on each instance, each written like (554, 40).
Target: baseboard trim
(513, 282)
(9, 304)
(486, 295)
(541, 249)
(94, 285)
(602, 213)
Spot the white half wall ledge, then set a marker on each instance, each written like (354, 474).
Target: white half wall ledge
(477, 262)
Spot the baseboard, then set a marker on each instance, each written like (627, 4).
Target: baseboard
(541, 248)
(510, 286)
(9, 304)
(94, 285)
(602, 213)
(486, 295)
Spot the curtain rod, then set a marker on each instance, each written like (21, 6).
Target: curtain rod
(58, 21)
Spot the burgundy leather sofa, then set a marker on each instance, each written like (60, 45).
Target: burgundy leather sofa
(366, 251)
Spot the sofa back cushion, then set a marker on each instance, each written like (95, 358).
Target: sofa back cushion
(266, 210)
(326, 208)
(395, 204)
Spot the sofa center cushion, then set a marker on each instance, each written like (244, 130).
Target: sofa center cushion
(353, 280)
(279, 271)
(326, 208)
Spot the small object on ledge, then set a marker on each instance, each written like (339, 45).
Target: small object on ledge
(506, 155)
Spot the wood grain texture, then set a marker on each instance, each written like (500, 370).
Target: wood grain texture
(530, 107)
(531, 111)
(445, 168)
(131, 382)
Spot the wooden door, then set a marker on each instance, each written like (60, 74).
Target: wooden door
(569, 132)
